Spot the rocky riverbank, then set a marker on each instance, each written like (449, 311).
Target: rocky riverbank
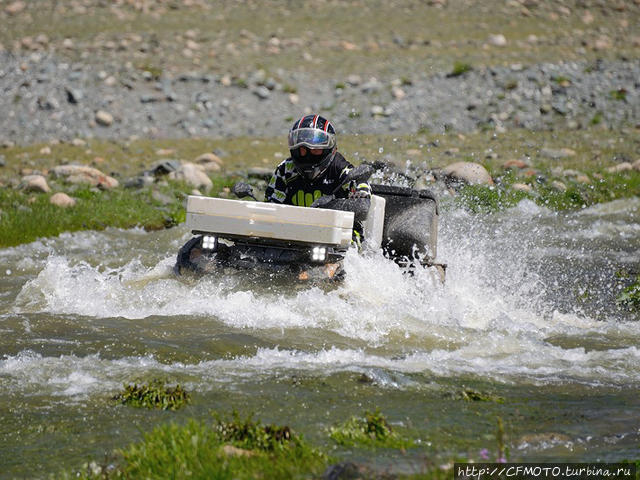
(45, 98)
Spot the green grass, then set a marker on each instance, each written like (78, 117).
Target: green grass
(620, 94)
(472, 395)
(228, 449)
(630, 296)
(26, 217)
(155, 394)
(487, 199)
(371, 430)
(460, 68)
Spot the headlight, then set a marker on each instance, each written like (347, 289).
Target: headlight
(319, 254)
(209, 242)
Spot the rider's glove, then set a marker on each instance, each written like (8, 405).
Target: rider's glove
(359, 194)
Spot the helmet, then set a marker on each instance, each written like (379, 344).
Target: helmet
(312, 132)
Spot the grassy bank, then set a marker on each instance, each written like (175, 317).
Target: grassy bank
(581, 177)
(244, 448)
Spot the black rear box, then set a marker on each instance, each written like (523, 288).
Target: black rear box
(410, 222)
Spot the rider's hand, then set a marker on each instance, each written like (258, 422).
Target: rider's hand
(359, 194)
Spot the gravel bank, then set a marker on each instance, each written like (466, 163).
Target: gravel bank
(44, 98)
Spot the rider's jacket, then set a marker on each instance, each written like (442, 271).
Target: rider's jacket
(289, 187)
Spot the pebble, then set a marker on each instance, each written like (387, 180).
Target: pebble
(398, 93)
(104, 118)
(110, 81)
(74, 95)
(558, 185)
(63, 200)
(498, 40)
(262, 92)
(371, 86)
(522, 187)
(377, 110)
(354, 80)
(233, 109)
(584, 179)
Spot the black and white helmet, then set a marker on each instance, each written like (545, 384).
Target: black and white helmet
(317, 133)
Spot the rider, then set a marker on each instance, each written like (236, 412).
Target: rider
(315, 167)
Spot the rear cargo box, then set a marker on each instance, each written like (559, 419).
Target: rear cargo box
(410, 221)
(238, 219)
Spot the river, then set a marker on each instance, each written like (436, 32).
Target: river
(527, 314)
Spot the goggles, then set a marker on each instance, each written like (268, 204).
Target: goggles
(311, 138)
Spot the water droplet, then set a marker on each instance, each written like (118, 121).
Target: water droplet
(380, 150)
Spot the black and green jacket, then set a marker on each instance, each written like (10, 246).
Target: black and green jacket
(289, 187)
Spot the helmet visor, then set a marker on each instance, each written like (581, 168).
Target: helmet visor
(311, 138)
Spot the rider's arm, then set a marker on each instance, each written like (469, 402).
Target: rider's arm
(353, 190)
(276, 190)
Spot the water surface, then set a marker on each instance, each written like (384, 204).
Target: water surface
(528, 314)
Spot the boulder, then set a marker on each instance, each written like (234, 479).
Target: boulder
(621, 167)
(15, 7)
(63, 200)
(141, 181)
(164, 167)
(515, 163)
(468, 172)
(193, 175)
(209, 162)
(83, 174)
(34, 183)
(208, 157)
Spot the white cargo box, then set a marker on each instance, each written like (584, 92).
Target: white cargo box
(238, 218)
